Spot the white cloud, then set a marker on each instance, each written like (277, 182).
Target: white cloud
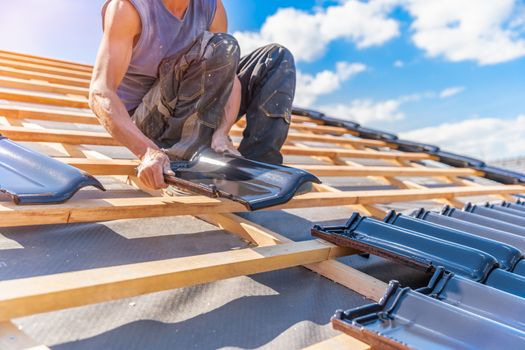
(310, 87)
(485, 138)
(487, 32)
(365, 110)
(307, 34)
(369, 111)
(451, 91)
(399, 64)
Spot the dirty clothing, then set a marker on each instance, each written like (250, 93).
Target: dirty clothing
(162, 35)
(186, 104)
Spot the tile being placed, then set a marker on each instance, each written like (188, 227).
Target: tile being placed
(407, 319)
(254, 184)
(33, 178)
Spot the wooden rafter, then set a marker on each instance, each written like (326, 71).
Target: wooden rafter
(57, 84)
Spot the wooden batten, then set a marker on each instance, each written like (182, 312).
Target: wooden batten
(28, 81)
(32, 295)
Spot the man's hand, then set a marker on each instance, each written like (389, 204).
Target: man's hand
(221, 143)
(154, 164)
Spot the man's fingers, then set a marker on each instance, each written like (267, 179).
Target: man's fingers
(158, 178)
(167, 169)
(143, 176)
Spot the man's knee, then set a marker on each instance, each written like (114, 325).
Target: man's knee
(223, 50)
(280, 56)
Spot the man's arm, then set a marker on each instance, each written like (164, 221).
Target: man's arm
(221, 141)
(122, 26)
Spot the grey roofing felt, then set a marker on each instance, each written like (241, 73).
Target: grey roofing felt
(282, 309)
(290, 307)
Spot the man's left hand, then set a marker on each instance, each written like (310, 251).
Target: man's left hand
(222, 143)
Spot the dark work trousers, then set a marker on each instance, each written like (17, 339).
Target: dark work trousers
(186, 104)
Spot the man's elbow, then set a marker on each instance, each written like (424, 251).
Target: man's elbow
(98, 100)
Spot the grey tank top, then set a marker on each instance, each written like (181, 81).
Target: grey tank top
(163, 35)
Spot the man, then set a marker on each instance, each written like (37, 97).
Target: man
(169, 81)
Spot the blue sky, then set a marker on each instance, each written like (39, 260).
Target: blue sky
(443, 71)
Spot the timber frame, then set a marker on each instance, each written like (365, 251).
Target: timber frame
(55, 91)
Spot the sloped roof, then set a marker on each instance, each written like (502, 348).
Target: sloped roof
(101, 248)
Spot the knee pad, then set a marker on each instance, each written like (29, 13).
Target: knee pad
(223, 49)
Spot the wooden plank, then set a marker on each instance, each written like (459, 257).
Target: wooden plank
(35, 97)
(302, 119)
(334, 270)
(54, 62)
(313, 128)
(41, 86)
(328, 170)
(127, 167)
(55, 115)
(127, 208)
(104, 166)
(52, 78)
(28, 296)
(340, 342)
(39, 68)
(12, 338)
(336, 152)
(60, 136)
(322, 129)
(97, 138)
(294, 136)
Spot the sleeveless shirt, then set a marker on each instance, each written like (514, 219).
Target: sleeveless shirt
(162, 35)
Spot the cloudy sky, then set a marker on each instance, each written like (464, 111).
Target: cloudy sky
(449, 72)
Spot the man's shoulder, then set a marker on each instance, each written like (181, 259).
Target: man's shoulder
(122, 13)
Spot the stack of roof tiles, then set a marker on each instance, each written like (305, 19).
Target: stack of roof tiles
(490, 172)
(478, 286)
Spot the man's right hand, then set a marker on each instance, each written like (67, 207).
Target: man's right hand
(154, 164)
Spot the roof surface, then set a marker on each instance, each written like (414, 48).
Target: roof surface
(134, 269)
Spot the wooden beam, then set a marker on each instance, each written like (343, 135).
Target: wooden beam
(54, 115)
(313, 128)
(294, 136)
(128, 208)
(322, 129)
(336, 152)
(59, 136)
(302, 119)
(127, 167)
(98, 138)
(340, 342)
(329, 170)
(42, 86)
(12, 338)
(104, 166)
(53, 62)
(28, 296)
(52, 78)
(35, 97)
(39, 68)
(334, 270)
